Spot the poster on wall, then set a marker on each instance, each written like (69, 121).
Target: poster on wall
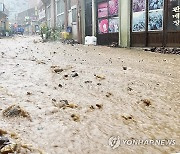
(113, 7)
(138, 21)
(155, 4)
(139, 5)
(155, 22)
(103, 26)
(102, 10)
(114, 25)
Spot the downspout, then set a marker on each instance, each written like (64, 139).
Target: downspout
(79, 32)
(119, 14)
(80, 22)
(53, 14)
(94, 17)
(66, 14)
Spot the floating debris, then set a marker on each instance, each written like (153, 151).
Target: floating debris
(100, 106)
(128, 119)
(164, 50)
(64, 104)
(15, 111)
(124, 68)
(75, 75)
(87, 82)
(109, 94)
(12, 144)
(29, 93)
(146, 102)
(75, 117)
(99, 77)
(3, 141)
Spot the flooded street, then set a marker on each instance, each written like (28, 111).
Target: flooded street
(76, 97)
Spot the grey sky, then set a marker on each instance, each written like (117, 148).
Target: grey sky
(16, 6)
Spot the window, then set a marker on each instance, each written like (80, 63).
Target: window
(49, 15)
(74, 15)
(60, 13)
(69, 4)
(60, 6)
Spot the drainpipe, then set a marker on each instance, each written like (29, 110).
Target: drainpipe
(93, 18)
(79, 28)
(66, 14)
(82, 20)
(119, 15)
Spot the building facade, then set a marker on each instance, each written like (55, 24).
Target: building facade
(28, 19)
(4, 24)
(127, 23)
(64, 15)
(133, 22)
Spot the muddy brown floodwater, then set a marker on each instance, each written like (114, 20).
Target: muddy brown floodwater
(79, 97)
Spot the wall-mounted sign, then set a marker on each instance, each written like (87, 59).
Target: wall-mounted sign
(103, 26)
(113, 7)
(102, 9)
(174, 15)
(42, 14)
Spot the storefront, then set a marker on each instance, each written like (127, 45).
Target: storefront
(107, 21)
(155, 23)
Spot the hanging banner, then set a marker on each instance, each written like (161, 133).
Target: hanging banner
(102, 10)
(113, 7)
(138, 20)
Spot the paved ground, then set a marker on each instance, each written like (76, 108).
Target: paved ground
(78, 97)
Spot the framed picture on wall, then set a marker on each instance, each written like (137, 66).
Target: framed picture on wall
(103, 26)
(102, 10)
(113, 7)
